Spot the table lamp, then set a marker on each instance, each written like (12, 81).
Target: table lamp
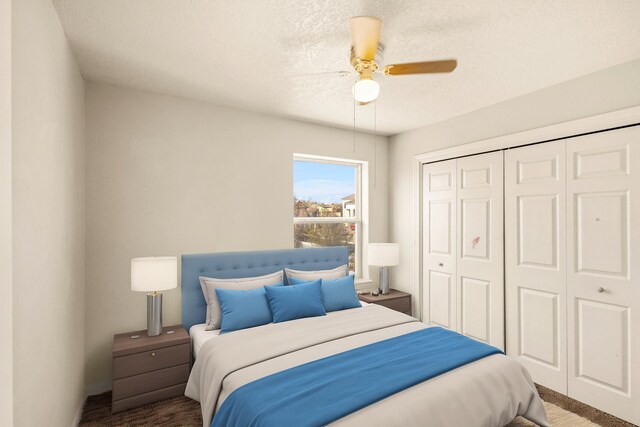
(384, 255)
(153, 275)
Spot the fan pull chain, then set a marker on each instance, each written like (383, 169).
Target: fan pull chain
(354, 125)
(375, 145)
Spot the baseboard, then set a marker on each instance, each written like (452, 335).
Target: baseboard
(78, 416)
(97, 388)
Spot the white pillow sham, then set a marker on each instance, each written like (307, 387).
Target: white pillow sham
(210, 284)
(335, 273)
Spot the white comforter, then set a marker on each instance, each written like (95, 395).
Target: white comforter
(489, 392)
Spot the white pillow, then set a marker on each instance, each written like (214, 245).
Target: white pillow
(210, 284)
(336, 273)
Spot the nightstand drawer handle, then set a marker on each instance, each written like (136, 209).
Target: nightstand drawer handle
(153, 353)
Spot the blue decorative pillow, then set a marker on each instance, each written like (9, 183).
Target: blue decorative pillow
(296, 302)
(340, 294)
(243, 309)
(337, 294)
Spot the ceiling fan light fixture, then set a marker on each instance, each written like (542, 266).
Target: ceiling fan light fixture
(366, 90)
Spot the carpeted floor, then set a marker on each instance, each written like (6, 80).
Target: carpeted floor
(182, 411)
(557, 417)
(179, 411)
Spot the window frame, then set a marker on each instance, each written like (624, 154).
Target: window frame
(361, 220)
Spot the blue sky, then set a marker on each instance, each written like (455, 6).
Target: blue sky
(323, 182)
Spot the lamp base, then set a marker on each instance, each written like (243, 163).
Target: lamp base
(154, 314)
(383, 281)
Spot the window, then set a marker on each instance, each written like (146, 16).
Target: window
(328, 205)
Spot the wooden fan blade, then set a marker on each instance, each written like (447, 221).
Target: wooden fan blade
(427, 67)
(365, 36)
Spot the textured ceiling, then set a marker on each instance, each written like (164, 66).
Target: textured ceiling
(254, 55)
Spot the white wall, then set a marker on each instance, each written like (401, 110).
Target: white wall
(48, 219)
(608, 90)
(6, 312)
(168, 176)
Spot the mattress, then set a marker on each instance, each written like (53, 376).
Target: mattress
(199, 336)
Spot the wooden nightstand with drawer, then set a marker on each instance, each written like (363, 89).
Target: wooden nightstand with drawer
(395, 300)
(147, 369)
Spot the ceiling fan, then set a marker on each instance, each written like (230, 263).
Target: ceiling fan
(366, 52)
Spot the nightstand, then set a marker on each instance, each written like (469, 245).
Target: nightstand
(395, 300)
(147, 369)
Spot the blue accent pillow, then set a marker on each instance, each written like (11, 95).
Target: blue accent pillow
(296, 302)
(337, 294)
(243, 309)
(340, 294)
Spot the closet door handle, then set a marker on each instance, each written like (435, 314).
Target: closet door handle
(600, 290)
(440, 264)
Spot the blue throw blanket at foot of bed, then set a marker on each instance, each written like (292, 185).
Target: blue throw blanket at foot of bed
(320, 392)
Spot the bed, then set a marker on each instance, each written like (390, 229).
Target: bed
(229, 369)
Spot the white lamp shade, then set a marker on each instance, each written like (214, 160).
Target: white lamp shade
(384, 254)
(154, 273)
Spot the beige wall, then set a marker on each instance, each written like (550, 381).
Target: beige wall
(609, 90)
(168, 176)
(6, 312)
(48, 219)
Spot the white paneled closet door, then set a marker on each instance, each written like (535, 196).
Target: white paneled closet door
(603, 281)
(480, 256)
(463, 286)
(439, 263)
(535, 261)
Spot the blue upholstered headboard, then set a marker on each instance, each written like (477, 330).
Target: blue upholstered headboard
(226, 265)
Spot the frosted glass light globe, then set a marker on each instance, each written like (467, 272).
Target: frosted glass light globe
(366, 90)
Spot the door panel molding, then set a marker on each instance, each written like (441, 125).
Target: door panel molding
(610, 161)
(537, 230)
(440, 237)
(602, 337)
(536, 307)
(440, 301)
(476, 308)
(538, 170)
(475, 229)
(602, 225)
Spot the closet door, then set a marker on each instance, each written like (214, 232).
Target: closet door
(480, 268)
(535, 261)
(604, 271)
(439, 244)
